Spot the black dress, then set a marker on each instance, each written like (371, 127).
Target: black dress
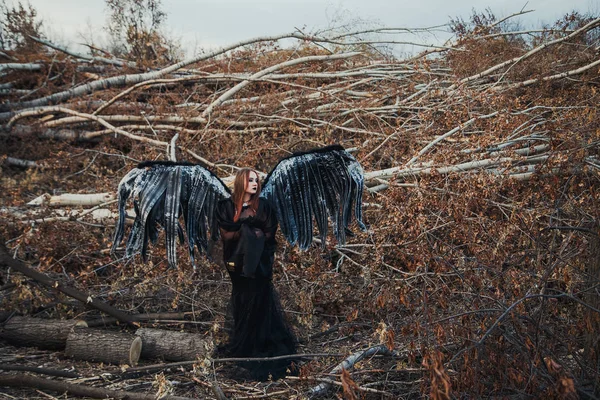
(259, 328)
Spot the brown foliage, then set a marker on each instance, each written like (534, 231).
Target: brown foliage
(480, 278)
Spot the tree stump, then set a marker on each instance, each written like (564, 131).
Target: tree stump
(102, 346)
(171, 346)
(43, 333)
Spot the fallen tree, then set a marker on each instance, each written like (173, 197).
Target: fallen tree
(482, 167)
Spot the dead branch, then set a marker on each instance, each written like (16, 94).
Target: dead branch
(17, 162)
(77, 390)
(70, 199)
(117, 62)
(42, 371)
(8, 262)
(20, 67)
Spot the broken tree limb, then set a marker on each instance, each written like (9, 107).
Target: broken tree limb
(8, 262)
(17, 162)
(36, 332)
(72, 199)
(120, 63)
(347, 364)
(40, 216)
(21, 67)
(102, 346)
(29, 381)
(42, 371)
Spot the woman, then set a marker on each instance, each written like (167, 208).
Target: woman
(248, 225)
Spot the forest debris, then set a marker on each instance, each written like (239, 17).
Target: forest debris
(463, 228)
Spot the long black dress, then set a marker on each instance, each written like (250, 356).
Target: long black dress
(259, 326)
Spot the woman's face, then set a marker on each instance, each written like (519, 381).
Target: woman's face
(252, 184)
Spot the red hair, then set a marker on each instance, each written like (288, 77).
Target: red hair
(239, 189)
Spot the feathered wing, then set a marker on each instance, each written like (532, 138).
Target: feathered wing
(326, 184)
(161, 192)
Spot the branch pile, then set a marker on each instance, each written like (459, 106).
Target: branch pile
(482, 157)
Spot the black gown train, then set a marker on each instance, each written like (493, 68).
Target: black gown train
(258, 325)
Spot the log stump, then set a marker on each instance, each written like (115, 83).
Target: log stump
(47, 334)
(101, 346)
(171, 346)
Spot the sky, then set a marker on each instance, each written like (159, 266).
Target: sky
(207, 24)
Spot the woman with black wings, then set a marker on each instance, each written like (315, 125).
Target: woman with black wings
(247, 225)
(321, 185)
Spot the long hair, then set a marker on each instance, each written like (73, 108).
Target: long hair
(239, 189)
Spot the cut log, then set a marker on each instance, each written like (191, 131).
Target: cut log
(101, 346)
(36, 332)
(171, 346)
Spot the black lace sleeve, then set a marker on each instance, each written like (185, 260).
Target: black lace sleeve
(270, 221)
(229, 230)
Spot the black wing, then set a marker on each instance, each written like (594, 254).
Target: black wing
(162, 191)
(324, 183)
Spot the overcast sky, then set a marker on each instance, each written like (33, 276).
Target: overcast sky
(212, 23)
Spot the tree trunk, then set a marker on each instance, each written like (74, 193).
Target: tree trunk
(169, 345)
(36, 332)
(109, 347)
